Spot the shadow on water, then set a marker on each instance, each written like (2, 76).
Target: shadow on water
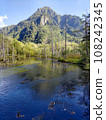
(44, 90)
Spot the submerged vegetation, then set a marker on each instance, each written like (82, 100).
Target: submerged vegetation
(48, 35)
(43, 90)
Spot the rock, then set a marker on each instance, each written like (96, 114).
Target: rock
(52, 104)
(23, 82)
(44, 20)
(73, 112)
(70, 94)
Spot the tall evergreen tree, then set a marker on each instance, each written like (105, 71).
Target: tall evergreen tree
(86, 37)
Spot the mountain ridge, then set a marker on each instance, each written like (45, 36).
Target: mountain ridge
(29, 29)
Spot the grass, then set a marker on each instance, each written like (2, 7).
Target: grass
(71, 59)
(75, 59)
(87, 66)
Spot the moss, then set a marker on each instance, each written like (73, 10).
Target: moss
(87, 66)
(69, 60)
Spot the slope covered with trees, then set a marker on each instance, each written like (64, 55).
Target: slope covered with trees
(31, 28)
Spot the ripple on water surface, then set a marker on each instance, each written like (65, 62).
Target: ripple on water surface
(45, 90)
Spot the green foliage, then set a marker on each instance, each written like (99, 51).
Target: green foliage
(70, 60)
(15, 48)
(43, 35)
(85, 46)
(87, 66)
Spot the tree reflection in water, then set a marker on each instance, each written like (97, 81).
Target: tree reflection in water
(65, 86)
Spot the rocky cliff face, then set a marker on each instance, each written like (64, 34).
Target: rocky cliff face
(44, 20)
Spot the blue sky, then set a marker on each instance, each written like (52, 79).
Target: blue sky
(14, 11)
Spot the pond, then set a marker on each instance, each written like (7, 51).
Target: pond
(35, 89)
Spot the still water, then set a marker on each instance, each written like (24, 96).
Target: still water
(44, 90)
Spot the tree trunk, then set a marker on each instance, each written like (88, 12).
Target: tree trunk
(3, 49)
(13, 54)
(7, 51)
(58, 51)
(44, 50)
(61, 49)
(65, 44)
(86, 37)
(0, 52)
(65, 37)
(52, 43)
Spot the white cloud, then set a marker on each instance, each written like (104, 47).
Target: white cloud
(2, 24)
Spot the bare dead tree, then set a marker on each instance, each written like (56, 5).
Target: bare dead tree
(52, 42)
(45, 41)
(0, 51)
(7, 50)
(13, 53)
(3, 49)
(65, 36)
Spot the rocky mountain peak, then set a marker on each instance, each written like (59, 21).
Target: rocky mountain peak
(47, 11)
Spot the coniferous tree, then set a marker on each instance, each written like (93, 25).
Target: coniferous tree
(86, 37)
(65, 36)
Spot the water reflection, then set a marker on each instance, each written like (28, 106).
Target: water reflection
(45, 90)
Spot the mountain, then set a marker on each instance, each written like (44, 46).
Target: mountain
(41, 23)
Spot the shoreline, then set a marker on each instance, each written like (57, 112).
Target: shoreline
(62, 60)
